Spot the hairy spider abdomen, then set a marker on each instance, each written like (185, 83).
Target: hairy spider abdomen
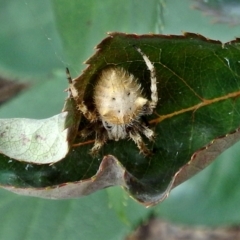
(118, 97)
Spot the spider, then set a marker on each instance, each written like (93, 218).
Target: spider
(119, 106)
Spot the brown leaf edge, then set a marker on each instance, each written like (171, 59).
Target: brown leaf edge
(199, 160)
(203, 157)
(112, 173)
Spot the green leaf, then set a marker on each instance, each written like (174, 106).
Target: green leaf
(78, 42)
(110, 173)
(31, 29)
(189, 91)
(30, 45)
(197, 111)
(73, 218)
(209, 198)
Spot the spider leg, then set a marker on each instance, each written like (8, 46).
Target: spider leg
(149, 133)
(91, 116)
(151, 68)
(69, 78)
(136, 137)
(100, 140)
(88, 130)
(71, 89)
(142, 127)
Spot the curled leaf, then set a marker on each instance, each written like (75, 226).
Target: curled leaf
(197, 116)
(42, 141)
(34, 141)
(110, 173)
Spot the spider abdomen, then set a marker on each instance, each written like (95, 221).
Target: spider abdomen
(118, 97)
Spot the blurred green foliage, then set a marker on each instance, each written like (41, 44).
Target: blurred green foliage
(37, 41)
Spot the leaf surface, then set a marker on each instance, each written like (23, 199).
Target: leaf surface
(39, 141)
(110, 173)
(196, 118)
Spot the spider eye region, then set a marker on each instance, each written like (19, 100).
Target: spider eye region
(118, 97)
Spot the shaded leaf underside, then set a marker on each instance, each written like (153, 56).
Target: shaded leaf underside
(198, 86)
(44, 141)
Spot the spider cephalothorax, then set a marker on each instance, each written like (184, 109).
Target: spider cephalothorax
(119, 105)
